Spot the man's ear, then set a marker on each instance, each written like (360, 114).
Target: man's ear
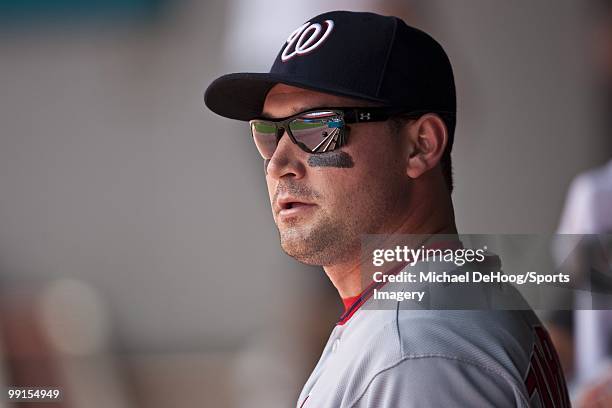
(427, 140)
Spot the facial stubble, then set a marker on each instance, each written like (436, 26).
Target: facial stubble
(332, 238)
(332, 233)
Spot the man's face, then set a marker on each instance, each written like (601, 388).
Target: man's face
(323, 202)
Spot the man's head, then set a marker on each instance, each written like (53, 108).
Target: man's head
(372, 174)
(323, 202)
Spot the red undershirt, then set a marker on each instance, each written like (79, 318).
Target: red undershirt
(348, 302)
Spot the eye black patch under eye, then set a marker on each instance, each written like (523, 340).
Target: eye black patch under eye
(331, 159)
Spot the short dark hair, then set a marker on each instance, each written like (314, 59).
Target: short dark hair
(398, 122)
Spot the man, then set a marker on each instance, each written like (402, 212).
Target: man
(355, 123)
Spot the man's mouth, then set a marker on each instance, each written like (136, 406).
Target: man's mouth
(289, 207)
(292, 204)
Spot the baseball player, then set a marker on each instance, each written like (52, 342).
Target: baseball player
(355, 124)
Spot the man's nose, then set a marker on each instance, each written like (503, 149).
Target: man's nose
(287, 160)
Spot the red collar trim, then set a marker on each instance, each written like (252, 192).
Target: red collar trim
(353, 303)
(365, 295)
(348, 302)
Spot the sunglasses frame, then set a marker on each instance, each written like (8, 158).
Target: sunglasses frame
(350, 115)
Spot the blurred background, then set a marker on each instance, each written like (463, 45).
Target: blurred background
(139, 262)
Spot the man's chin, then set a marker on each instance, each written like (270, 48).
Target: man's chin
(298, 250)
(318, 249)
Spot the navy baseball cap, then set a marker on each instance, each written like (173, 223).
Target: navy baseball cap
(360, 55)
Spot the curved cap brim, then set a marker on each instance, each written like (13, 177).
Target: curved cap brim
(241, 96)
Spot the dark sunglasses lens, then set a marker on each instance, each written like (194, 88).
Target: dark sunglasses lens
(318, 132)
(265, 137)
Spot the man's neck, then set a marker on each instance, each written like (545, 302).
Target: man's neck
(424, 219)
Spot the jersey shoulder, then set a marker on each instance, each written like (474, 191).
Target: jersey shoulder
(419, 346)
(494, 339)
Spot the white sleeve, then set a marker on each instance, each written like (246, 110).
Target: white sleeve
(578, 215)
(438, 382)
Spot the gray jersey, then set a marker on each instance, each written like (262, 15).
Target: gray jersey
(437, 358)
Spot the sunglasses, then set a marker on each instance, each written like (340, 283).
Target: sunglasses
(318, 130)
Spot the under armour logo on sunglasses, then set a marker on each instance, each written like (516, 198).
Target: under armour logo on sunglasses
(364, 116)
(306, 39)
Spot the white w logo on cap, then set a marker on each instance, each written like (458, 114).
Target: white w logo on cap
(306, 39)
